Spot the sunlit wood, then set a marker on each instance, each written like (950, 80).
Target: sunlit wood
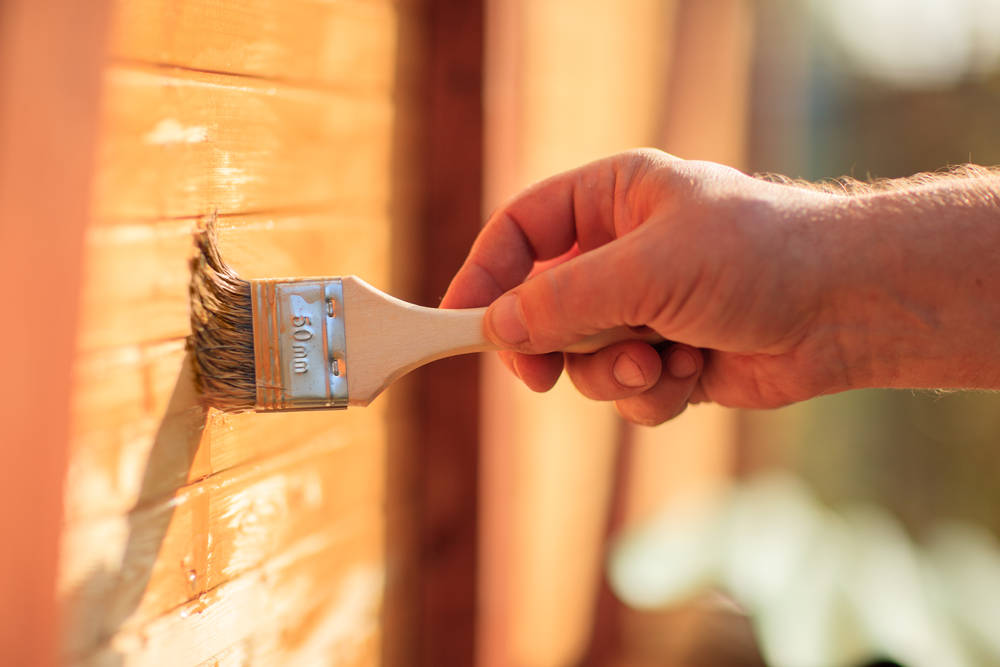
(192, 536)
(336, 45)
(178, 143)
(317, 600)
(136, 275)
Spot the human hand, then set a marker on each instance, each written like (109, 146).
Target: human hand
(747, 277)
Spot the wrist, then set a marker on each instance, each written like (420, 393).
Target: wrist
(914, 290)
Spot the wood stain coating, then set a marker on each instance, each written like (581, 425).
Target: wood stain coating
(191, 535)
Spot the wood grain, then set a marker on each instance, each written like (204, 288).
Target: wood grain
(147, 460)
(347, 45)
(208, 533)
(191, 536)
(315, 602)
(136, 276)
(179, 143)
(140, 435)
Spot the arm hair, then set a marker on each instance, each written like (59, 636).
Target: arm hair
(847, 185)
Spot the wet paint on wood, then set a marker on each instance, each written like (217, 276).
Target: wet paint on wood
(192, 537)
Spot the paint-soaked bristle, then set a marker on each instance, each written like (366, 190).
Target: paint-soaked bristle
(221, 340)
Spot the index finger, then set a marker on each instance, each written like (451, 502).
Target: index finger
(542, 222)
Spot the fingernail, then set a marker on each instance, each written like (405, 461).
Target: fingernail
(507, 321)
(682, 364)
(627, 372)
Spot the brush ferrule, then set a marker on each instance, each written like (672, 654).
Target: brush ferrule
(299, 344)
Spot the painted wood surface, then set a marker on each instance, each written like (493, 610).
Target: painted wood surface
(311, 43)
(183, 143)
(191, 536)
(135, 286)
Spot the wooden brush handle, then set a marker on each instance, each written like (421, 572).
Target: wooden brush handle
(388, 337)
(584, 346)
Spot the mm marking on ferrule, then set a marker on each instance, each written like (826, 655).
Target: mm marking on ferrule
(299, 344)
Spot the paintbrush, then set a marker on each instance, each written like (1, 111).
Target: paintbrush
(320, 343)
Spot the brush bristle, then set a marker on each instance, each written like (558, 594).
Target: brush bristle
(221, 340)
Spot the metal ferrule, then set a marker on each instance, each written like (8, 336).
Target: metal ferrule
(299, 344)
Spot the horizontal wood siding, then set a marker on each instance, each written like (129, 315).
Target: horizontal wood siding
(191, 536)
(182, 143)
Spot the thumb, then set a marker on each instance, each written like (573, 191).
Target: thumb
(595, 291)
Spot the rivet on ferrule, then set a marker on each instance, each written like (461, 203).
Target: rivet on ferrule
(299, 344)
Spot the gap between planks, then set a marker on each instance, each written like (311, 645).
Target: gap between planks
(174, 70)
(332, 208)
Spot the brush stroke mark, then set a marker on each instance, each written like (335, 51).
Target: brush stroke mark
(171, 131)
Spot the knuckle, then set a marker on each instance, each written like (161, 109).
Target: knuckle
(644, 155)
(542, 307)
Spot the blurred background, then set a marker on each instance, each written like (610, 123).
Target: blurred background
(842, 531)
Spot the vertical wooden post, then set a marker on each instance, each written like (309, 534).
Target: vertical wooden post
(449, 398)
(50, 59)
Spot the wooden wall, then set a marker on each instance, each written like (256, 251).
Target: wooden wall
(192, 536)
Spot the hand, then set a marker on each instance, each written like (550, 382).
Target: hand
(764, 288)
(706, 256)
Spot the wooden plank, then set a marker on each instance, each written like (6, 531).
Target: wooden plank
(317, 603)
(135, 409)
(136, 276)
(345, 45)
(50, 59)
(136, 429)
(136, 566)
(182, 143)
(139, 432)
(194, 537)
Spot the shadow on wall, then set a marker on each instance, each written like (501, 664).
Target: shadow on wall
(99, 607)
